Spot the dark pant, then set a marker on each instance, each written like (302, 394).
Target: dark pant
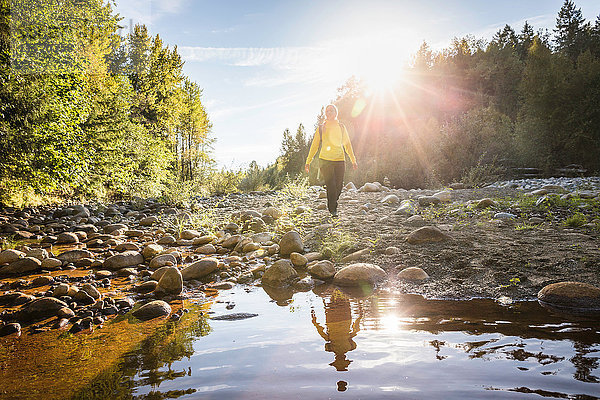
(333, 174)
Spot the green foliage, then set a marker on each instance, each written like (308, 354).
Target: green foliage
(576, 220)
(336, 243)
(481, 174)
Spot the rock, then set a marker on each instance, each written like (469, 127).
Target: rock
(356, 255)
(163, 260)
(412, 274)
(10, 329)
(42, 281)
(83, 298)
(571, 295)
(91, 290)
(10, 255)
(156, 275)
(350, 186)
(40, 308)
(40, 254)
(234, 317)
(370, 187)
(415, 220)
(272, 212)
(200, 269)
(257, 225)
(22, 266)
(291, 242)
(485, 203)
(190, 234)
(249, 247)
(149, 221)
(151, 251)
(146, 287)
(312, 256)
(72, 256)
(427, 234)
(154, 309)
(171, 282)
(536, 220)
(323, 270)
(115, 227)
(67, 238)
(391, 199)
(407, 207)
(359, 274)
(425, 201)
(504, 216)
(305, 284)
(458, 185)
(134, 233)
(232, 227)
(281, 273)
(231, 241)
(391, 250)
(16, 299)
(445, 196)
(167, 240)
(61, 290)
(126, 259)
(202, 240)
(298, 260)
(51, 263)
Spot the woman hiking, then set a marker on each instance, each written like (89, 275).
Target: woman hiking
(333, 138)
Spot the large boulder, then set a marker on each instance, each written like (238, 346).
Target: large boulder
(200, 268)
(123, 260)
(22, 266)
(571, 295)
(291, 242)
(154, 309)
(427, 234)
(171, 282)
(359, 274)
(323, 270)
(281, 273)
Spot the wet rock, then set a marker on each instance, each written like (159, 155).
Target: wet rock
(115, 227)
(571, 295)
(127, 246)
(231, 241)
(13, 328)
(206, 249)
(40, 308)
(222, 285)
(67, 238)
(61, 290)
(200, 268)
(357, 255)
(281, 273)
(71, 256)
(135, 233)
(84, 298)
(60, 323)
(127, 272)
(91, 290)
(163, 260)
(167, 240)
(151, 251)
(412, 274)
(305, 284)
(10, 255)
(203, 240)
(42, 281)
(102, 274)
(40, 254)
(51, 263)
(15, 299)
(154, 309)
(291, 242)
(125, 302)
(126, 259)
(171, 281)
(234, 316)
(359, 274)
(22, 266)
(146, 287)
(298, 260)
(427, 234)
(65, 312)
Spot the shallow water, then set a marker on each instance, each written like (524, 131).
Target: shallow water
(333, 345)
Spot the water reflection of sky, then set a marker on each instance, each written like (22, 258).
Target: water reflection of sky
(401, 347)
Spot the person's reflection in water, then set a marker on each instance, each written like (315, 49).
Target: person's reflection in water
(340, 328)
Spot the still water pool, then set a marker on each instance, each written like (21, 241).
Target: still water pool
(333, 345)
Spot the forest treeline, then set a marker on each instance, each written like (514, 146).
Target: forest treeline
(85, 112)
(477, 110)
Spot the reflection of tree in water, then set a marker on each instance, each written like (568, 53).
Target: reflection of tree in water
(584, 365)
(171, 342)
(340, 329)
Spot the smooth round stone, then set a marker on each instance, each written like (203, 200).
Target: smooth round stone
(162, 260)
(151, 251)
(154, 309)
(427, 234)
(298, 260)
(91, 290)
(571, 295)
(103, 274)
(412, 274)
(200, 268)
(281, 273)
(503, 215)
(391, 250)
(485, 203)
(206, 249)
(126, 259)
(51, 263)
(167, 240)
(171, 282)
(190, 234)
(10, 255)
(291, 242)
(323, 270)
(61, 290)
(10, 329)
(146, 287)
(359, 274)
(390, 199)
(425, 201)
(41, 308)
(74, 255)
(202, 240)
(42, 281)
(67, 238)
(22, 266)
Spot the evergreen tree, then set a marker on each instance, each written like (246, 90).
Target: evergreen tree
(572, 32)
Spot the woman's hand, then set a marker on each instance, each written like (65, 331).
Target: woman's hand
(306, 168)
(354, 165)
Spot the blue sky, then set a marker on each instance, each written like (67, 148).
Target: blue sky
(270, 65)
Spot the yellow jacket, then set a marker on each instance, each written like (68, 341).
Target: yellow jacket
(335, 141)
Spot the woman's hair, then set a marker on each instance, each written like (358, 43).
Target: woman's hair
(332, 106)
